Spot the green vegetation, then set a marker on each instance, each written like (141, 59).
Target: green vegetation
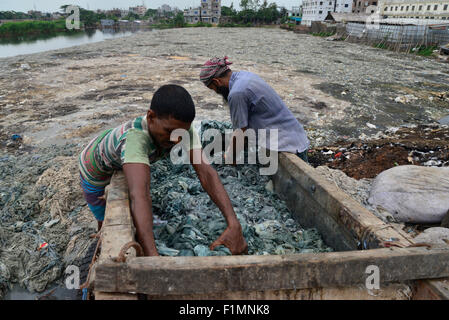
(8, 15)
(28, 28)
(425, 50)
(235, 25)
(91, 19)
(252, 13)
(380, 46)
(323, 34)
(255, 13)
(178, 24)
(200, 24)
(150, 13)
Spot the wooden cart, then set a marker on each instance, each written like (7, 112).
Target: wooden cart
(358, 236)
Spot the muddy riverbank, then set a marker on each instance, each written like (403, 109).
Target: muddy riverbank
(57, 100)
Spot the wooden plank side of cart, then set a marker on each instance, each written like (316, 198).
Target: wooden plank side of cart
(309, 195)
(204, 275)
(117, 230)
(344, 224)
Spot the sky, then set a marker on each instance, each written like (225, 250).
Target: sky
(53, 5)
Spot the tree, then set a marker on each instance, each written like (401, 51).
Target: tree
(244, 4)
(151, 13)
(283, 12)
(255, 4)
(228, 11)
(178, 21)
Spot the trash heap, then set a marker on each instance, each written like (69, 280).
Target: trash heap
(187, 221)
(44, 223)
(423, 145)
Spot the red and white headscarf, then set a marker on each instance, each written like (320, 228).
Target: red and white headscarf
(214, 68)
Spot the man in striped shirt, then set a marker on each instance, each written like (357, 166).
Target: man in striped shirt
(133, 146)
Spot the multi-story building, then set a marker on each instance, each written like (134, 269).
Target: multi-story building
(164, 8)
(415, 9)
(192, 15)
(208, 12)
(295, 14)
(35, 13)
(124, 13)
(116, 13)
(139, 10)
(361, 6)
(317, 10)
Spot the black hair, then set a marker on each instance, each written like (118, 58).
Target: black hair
(173, 100)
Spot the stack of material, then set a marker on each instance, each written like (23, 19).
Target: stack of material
(187, 221)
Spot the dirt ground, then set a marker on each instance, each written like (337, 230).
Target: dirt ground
(334, 88)
(423, 145)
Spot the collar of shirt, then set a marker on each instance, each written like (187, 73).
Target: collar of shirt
(233, 78)
(159, 150)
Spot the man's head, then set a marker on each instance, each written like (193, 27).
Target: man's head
(215, 74)
(171, 108)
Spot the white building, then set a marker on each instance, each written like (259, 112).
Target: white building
(317, 10)
(164, 8)
(415, 9)
(139, 10)
(192, 15)
(294, 12)
(208, 12)
(294, 15)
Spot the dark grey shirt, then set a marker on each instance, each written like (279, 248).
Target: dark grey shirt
(254, 104)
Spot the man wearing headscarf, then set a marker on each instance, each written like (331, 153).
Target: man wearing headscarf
(254, 104)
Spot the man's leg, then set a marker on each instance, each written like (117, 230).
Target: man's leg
(94, 197)
(303, 155)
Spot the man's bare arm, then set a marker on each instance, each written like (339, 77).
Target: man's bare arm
(232, 237)
(138, 179)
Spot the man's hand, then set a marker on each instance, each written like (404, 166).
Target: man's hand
(233, 239)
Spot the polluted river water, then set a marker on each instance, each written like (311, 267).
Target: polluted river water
(58, 42)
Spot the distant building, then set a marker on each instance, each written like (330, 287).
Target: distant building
(139, 10)
(360, 6)
(318, 10)
(165, 8)
(192, 15)
(295, 14)
(226, 19)
(208, 12)
(124, 13)
(34, 13)
(107, 22)
(415, 9)
(116, 13)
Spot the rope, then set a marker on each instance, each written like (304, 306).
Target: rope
(85, 285)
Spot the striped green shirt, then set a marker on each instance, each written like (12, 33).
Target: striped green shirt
(127, 143)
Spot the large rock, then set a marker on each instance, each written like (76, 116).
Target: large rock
(436, 235)
(412, 193)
